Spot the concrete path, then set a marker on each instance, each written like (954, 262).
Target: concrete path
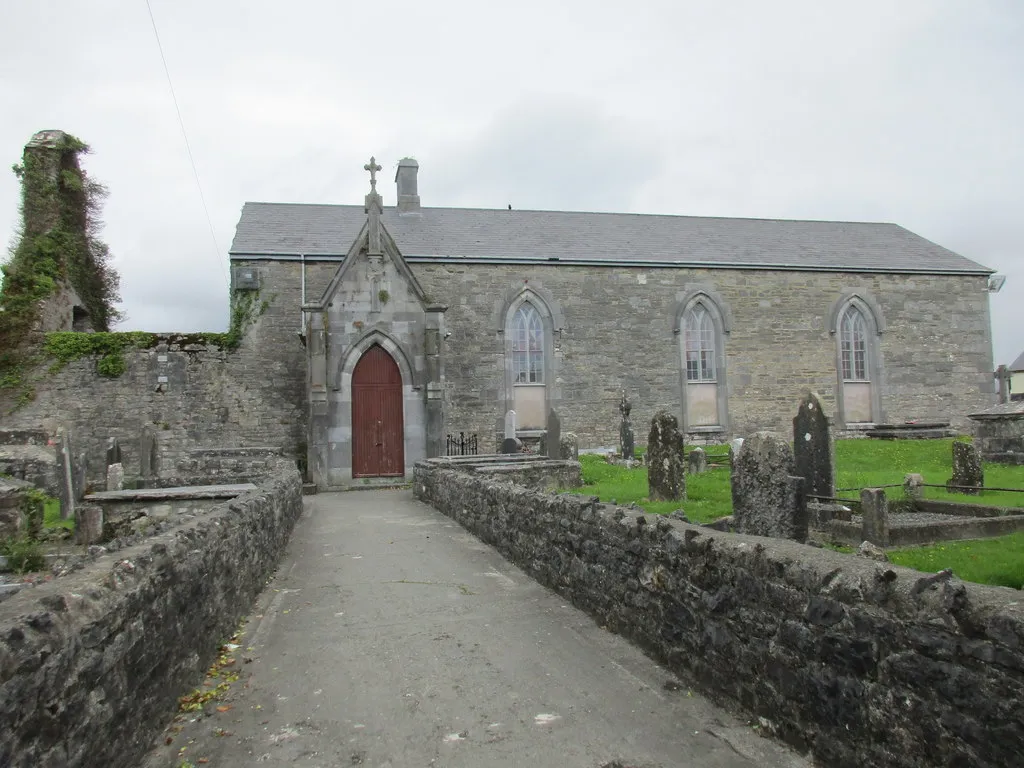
(391, 637)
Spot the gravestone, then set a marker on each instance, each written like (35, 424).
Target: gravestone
(626, 445)
(734, 449)
(767, 497)
(147, 452)
(115, 477)
(666, 477)
(553, 436)
(874, 512)
(913, 485)
(967, 469)
(66, 481)
(113, 451)
(569, 447)
(511, 445)
(89, 525)
(697, 462)
(81, 481)
(813, 448)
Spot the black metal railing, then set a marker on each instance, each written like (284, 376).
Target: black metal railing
(462, 445)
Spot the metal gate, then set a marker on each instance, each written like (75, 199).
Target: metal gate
(378, 436)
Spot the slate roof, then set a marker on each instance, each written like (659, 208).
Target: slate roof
(482, 235)
(1018, 364)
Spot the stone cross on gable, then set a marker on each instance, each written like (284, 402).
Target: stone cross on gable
(374, 207)
(372, 167)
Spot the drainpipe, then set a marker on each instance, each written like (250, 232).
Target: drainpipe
(302, 312)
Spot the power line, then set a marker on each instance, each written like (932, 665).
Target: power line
(188, 147)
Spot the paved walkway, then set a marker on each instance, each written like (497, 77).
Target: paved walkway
(391, 637)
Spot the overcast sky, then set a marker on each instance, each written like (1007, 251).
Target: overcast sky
(908, 111)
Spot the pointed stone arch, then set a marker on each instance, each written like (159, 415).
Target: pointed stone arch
(704, 383)
(530, 398)
(856, 322)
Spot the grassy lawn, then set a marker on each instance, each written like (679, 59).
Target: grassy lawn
(859, 464)
(51, 516)
(997, 561)
(873, 463)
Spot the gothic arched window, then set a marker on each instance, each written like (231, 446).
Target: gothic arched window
(527, 346)
(858, 361)
(700, 344)
(701, 330)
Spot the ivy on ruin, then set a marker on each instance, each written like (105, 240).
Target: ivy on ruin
(58, 243)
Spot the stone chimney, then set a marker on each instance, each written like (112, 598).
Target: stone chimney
(408, 196)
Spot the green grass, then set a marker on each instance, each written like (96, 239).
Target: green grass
(874, 463)
(708, 495)
(51, 516)
(859, 464)
(997, 561)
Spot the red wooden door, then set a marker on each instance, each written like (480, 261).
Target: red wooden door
(378, 435)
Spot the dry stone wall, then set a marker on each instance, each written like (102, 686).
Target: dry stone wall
(859, 662)
(92, 664)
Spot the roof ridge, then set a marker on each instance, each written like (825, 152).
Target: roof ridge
(393, 209)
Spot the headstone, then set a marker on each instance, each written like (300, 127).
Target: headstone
(66, 481)
(81, 476)
(569, 447)
(147, 452)
(510, 425)
(767, 497)
(115, 477)
(874, 511)
(554, 435)
(113, 451)
(696, 461)
(89, 525)
(734, 449)
(666, 477)
(511, 445)
(813, 448)
(913, 485)
(626, 444)
(967, 471)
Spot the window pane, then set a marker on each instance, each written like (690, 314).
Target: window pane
(853, 345)
(528, 346)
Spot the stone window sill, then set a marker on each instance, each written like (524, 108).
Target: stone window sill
(705, 430)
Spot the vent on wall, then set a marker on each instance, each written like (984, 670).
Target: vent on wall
(245, 278)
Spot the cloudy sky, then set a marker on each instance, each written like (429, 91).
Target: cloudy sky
(909, 111)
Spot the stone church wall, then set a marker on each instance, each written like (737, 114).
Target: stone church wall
(618, 333)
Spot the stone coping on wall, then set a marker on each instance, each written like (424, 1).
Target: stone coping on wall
(859, 662)
(91, 665)
(180, 493)
(528, 470)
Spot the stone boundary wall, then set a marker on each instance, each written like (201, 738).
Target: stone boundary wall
(188, 395)
(92, 664)
(858, 662)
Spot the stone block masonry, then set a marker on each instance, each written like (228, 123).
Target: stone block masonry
(860, 663)
(179, 396)
(618, 333)
(92, 664)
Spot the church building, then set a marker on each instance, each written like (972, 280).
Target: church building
(406, 323)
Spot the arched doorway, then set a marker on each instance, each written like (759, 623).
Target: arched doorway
(378, 435)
